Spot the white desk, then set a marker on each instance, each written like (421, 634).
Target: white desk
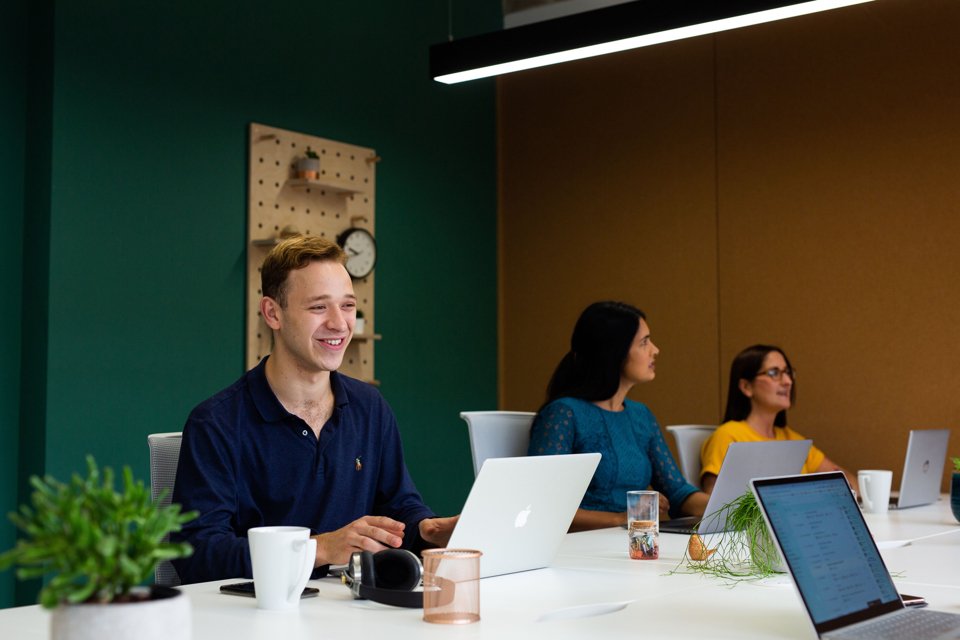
(592, 569)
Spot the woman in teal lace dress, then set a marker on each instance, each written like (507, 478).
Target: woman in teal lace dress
(587, 411)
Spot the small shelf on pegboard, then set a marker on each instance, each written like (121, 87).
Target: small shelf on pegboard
(324, 184)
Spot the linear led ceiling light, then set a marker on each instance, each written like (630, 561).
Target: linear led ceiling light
(631, 25)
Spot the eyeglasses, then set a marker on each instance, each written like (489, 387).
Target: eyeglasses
(776, 373)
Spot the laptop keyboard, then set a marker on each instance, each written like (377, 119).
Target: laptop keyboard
(910, 623)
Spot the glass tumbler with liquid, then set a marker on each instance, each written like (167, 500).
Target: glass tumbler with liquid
(643, 524)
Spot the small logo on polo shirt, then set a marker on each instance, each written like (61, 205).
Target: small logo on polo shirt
(357, 464)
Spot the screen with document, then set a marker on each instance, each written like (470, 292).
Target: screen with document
(824, 539)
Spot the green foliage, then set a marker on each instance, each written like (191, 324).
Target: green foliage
(956, 463)
(745, 552)
(310, 153)
(96, 543)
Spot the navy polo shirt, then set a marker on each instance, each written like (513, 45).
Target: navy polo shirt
(245, 461)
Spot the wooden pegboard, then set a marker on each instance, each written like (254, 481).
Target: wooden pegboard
(280, 203)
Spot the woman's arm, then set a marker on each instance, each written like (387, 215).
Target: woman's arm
(666, 476)
(586, 520)
(830, 465)
(553, 431)
(695, 504)
(708, 480)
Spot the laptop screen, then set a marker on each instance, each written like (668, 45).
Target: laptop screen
(831, 554)
(744, 461)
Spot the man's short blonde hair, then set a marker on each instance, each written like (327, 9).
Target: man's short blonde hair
(294, 253)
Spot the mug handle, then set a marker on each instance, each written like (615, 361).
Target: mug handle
(310, 553)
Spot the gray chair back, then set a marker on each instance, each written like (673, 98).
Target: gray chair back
(497, 434)
(164, 455)
(689, 439)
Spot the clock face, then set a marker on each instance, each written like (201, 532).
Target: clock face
(361, 251)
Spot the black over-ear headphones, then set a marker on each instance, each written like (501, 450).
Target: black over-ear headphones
(389, 576)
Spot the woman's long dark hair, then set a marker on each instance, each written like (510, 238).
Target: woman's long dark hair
(599, 346)
(746, 366)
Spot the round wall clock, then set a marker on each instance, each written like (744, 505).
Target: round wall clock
(361, 251)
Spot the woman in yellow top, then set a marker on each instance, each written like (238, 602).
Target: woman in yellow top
(761, 390)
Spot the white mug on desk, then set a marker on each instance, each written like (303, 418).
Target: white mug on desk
(875, 489)
(282, 559)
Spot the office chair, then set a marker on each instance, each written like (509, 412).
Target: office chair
(497, 434)
(689, 439)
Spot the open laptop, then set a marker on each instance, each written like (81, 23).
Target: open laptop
(519, 510)
(743, 461)
(835, 565)
(922, 468)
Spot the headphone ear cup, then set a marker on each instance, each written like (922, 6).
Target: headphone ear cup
(396, 569)
(368, 570)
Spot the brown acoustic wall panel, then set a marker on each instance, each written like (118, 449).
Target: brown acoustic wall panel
(795, 183)
(839, 157)
(607, 193)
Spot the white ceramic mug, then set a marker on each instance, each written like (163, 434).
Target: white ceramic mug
(875, 489)
(282, 560)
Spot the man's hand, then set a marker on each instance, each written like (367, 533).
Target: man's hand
(437, 531)
(369, 533)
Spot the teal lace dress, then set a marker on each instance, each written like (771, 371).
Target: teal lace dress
(635, 455)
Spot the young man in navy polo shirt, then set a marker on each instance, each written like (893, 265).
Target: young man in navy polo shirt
(294, 442)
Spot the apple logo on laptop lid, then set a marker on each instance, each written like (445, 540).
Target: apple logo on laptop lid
(521, 519)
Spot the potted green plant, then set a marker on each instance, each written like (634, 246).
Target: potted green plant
(745, 551)
(955, 489)
(308, 167)
(96, 545)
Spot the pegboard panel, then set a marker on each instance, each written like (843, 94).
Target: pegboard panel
(282, 204)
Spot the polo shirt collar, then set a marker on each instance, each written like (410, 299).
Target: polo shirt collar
(266, 401)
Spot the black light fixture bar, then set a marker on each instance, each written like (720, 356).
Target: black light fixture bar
(614, 28)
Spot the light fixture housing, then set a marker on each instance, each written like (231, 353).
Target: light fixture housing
(611, 29)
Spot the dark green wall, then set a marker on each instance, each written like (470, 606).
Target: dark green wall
(147, 215)
(13, 100)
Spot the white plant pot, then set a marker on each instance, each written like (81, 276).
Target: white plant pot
(360, 326)
(160, 619)
(779, 566)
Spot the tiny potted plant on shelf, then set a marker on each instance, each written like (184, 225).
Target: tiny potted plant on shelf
(97, 545)
(308, 167)
(361, 323)
(955, 489)
(745, 551)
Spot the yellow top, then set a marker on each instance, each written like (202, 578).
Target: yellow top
(715, 447)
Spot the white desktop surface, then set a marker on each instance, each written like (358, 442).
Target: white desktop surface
(592, 573)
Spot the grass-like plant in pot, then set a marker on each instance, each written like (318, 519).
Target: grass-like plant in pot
(96, 545)
(745, 551)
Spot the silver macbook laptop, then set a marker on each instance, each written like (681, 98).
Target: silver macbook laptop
(743, 461)
(519, 510)
(835, 565)
(922, 468)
